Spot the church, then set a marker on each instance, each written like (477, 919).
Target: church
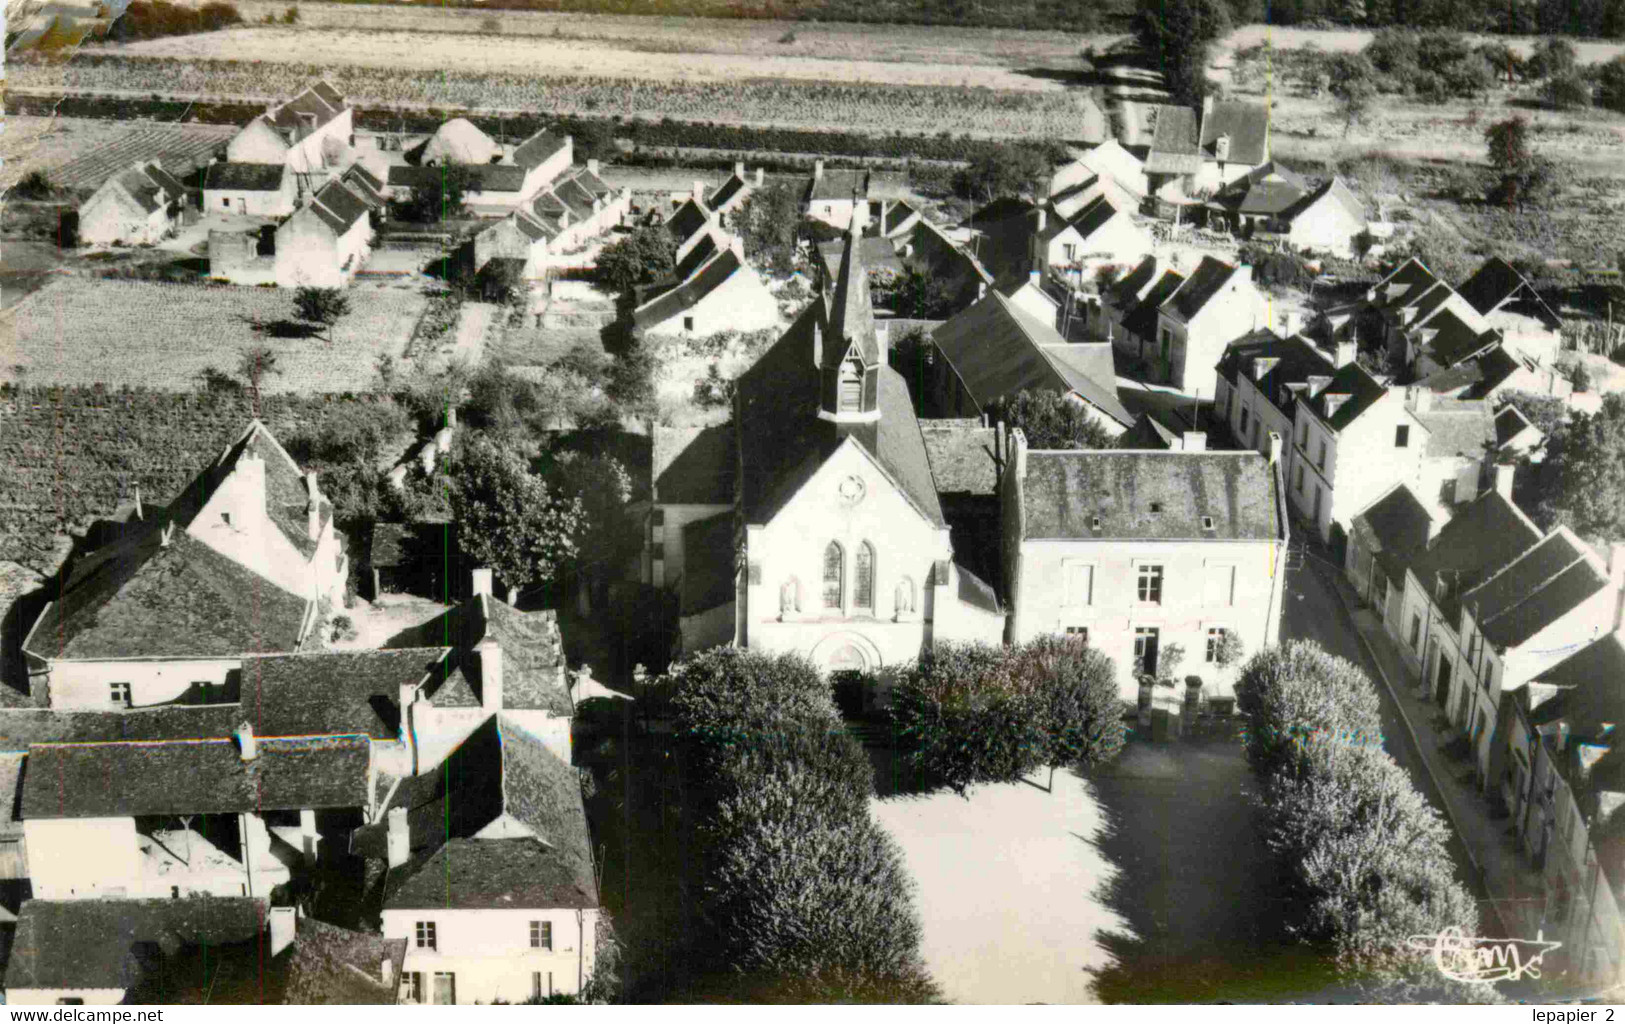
(813, 522)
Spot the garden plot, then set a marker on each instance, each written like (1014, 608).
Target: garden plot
(80, 153)
(81, 330)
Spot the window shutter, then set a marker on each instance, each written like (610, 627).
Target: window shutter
(1080, 584)
(1221, 581)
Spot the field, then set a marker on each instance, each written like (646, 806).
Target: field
(936, 44)
(79, 153)
(878, 109)
(81, 330)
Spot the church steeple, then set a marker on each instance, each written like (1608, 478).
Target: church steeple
(849, 362)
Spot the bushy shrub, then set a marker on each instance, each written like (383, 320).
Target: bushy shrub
(972, 713)
(1610, 77)
(1567, 91)
(1297, 695)
(728, 696)
(152, 19)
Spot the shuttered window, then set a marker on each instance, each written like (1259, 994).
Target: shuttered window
(1221, 585)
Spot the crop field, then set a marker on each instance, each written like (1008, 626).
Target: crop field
(923, 44)
(882, 109)
(81, 330)
(80, 154)
(69, 455)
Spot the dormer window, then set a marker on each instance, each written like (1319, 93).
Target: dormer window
(1207, 522)
(1156, 508)
(851, 387)
(1094, 524)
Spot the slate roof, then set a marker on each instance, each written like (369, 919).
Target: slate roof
(320, 99)
(150, 186)
(693, 465)
(996, 348)
(879, 253)
(684, 297)
(137, 598)
(1206, 281)
(532, 651)
(1509, 423)
(573, 194)
(1397, 525)
(1593, 678)
(1097, 214)
(726, 192)
(1533, 591)
(1247, 125)
(1336, 191)
(964, 456)
(1496, 283)
(23, 727)
(838, 184)
(1404, 285)
(1455, 340)
(1149, 433)
(1141, 321)
(1478, 541)
(1362, 389)
(896, 216)
(365, 184)
(592, 183)
(337, 206)
(335, 966)
(111, 780)
(709, 564)
(1141, 495)
(96, 944)
(785, 442)
(686, 220)
(352, 692)
(1458, 429)
(1174, 148)
(244, 177)
(1132, 286)
(499, 771)
(974, 592)
(534, 151)
(1476, 377)
(1285, 362)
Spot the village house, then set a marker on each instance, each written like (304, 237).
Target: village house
(1514, 435)
(1039, 238)
(1459, 451)
(1107, 167)
(833, 194)
(1235, 140)
(1259, 381)
(1384, 539)
(137, 206)
(898, 223)
(1494, 372)
(1174, 160)
(1510, 305)
(1163, 430)
(995, 349)
(252, 190)
(732, 194)
(1272, 203)
(325, 242)
(312, 134)
(713, 290)
(842, 551)
(1137, 552)
(1197, 321)
(954, 268)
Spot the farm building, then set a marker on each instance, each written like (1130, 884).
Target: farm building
(457, 141)
(136, 206)
(311, 133)
(420, 558)
(732, 193)
(721, 293)
(255, 190)
(1235, 139)
(545, 157)
(833, 195)
(325, 242)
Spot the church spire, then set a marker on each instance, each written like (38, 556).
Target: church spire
(850, 363)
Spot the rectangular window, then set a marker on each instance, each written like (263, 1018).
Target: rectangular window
(541, 935)
(1080, 585)
(1149, 584)
(1244, 412)
(688, 323)
(1320, 457)
(1081, 632)
(1215, 637)
(1416, 633)
(1402, 436)
(1303, 435)
(1221, 586)
(119, 694)
(414, 986)
(226, 202)
(425, 935)
(1145, 649)
(1299, 484)
(445, 988)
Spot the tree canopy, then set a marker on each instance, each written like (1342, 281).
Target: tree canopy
(1584, 473)
(1177, 35)
(442, 199)
(1051, 422)
(506, 516)
(1019, 171)
(646, 255)
(769, 224)
(324, 306)
(1525, 177)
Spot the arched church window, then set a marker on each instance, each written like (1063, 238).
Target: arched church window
(834, 575)
(851, 397)
(865, 596)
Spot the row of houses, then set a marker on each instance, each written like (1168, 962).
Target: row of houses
(186, 757)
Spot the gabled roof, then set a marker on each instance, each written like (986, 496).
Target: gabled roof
(1475, 377)
(351, 692)
(1206, 281)
(532, 651)
(997, 348)
(687, 219)
(1397, 525)
(851, 320)
(710, 566)
(337, 206)
(727, 192)
(1478, 541)
(1154, 430)
(1540, 586)
(1332, 190)
(838, 184)
(1246, 124)
(693, 465)
(1267, 190)
(1132, 286)
(1509, 424)
(1498, 283)
(896, 217)
(1454, 340)
(878, 252)
(1273, 364)
(75, 945)
(1174, 148)
(1404, 286)
(974, 592)
(576, 196)
(150, 186)
(1458, 429)
(365, 184)
(1593, 681)
(1362, 391)
(964, 456)
(336, 966)
(1141, 321)
(121, 780)
(320, 101)
(1140, 495)
(1100, 211)
(534, 151)
(244, 177)
(684, 297)
(21, 728)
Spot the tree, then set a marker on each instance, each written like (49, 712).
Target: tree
(631, 379)
(506, 517)
(603, 487)
(324, 306)
(1552, 56)
(1051, 422)
(1611, 84)
(1008, 171)
(1524, 177)
(1176, 35)
(1296, 696)
(1567, 91)
(1585, 464)
(917, 295)
(1352, 81)
(441, 199)
(256, 363)
(768, 223)
(726, 695)
(1509, 67)
(647, 254)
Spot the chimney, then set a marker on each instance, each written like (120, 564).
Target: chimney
(140, 512)
(1503, 485)
(482, 582)
(818, 346)
(386, 971)
(248, 748)
(283, 924)
(166, 534)
(759, 177)
(592, 166)
(818, 170)
(1194, 441)
(1344, 353)
(400, 846)
(490, 654)
(739, 169)
(1221, 147)
(1275, 448)
(1207, 107)
(699, 191)
(1043, 219)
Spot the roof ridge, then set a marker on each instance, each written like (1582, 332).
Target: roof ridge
(1535, 591)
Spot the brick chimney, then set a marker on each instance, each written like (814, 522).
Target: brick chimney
(818, 170)
(283, 926)
(699, 191)
(1504, 472)
(482, 582)
(400, 840)
(759, 177)
(592, 166)
(739, 169)
(1345, 353)
(1193, 441)
(490, 655)
(248, 747)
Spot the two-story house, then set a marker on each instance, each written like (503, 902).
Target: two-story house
(1136, 551)
(834, 194)
(1259, 381)
(139, 205)
(312, 134)
(1212, 307)
(325, 242)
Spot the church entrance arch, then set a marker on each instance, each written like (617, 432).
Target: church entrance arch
(846, 652)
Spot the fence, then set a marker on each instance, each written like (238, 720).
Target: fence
(1603, 339)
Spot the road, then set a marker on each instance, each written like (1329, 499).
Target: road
(1314, 612)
